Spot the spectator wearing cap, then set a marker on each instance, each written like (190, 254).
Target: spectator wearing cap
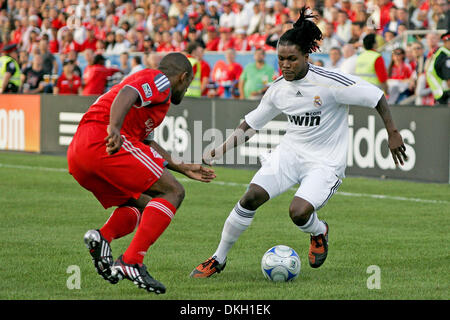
(95, 76)
(192, 24)
(240, 41)
(269, 15)
(195, 36)
(68, 82)
(438, 72)
(226, 40)
(212, 39)
(228, 17)
(10, 73)
(140, 22)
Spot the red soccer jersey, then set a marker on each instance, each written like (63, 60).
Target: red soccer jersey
(401, 72)
(95, 78)
(67, 86)
(149, 111)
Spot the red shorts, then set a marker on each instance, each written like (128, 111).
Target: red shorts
(113, 179)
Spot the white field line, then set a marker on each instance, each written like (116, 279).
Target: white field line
(243, 185)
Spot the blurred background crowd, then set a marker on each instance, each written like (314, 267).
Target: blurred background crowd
(85, 46)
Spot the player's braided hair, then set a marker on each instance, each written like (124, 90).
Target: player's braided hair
(305, 34)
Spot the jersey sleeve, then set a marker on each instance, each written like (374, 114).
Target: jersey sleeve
(265, 112)
(152, 89)
(358, 93)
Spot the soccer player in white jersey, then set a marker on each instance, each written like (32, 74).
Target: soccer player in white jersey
(313, 151)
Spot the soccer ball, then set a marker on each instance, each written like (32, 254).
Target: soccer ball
(280, 263)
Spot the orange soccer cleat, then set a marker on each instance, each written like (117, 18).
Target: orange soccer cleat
(208, 268)
(318, 249)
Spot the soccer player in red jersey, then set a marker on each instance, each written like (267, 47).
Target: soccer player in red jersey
(130, 172)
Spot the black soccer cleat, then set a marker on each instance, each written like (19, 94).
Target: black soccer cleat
(137, 273)
(100, 251)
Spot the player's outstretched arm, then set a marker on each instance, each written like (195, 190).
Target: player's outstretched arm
(119, 109)
(191, 170)
(395, 140)
(242, 134)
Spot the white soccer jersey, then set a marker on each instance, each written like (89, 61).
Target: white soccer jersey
(317, 112)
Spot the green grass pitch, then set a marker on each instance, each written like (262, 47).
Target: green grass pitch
(44, 214)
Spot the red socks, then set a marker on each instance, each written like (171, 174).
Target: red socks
(155, 219)
(122, 221)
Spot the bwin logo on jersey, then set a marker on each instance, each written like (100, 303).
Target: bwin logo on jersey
(310, 119)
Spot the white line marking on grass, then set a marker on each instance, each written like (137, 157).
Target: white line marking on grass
(16, 166)
(244, 185)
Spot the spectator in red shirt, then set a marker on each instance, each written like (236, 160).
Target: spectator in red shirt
(68, 82)
(69, 44)
(166, 43)
(226, 75)
(241, 42)
(96, 76)
(226, 39)
(212, 39)
(399, 72)
(385, 6)
(91, 40)
(346, 6)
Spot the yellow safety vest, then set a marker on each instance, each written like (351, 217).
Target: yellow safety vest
(434, 81)
(365, 66)
(15, 78)
(195, 89)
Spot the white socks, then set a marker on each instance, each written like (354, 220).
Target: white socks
(237, 222)
(314, 225)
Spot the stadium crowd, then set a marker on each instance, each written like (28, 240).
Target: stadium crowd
(47, 37)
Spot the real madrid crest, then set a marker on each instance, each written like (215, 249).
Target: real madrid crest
(317, 102)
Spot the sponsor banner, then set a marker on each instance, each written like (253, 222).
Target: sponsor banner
(20, 122)
(200, 124)
(60, 118)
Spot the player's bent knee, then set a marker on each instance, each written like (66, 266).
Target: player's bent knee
(254, 198)
(300, 213)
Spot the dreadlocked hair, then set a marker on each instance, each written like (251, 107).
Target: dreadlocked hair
(305, 34)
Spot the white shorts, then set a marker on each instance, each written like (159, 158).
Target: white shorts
(282, 169)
